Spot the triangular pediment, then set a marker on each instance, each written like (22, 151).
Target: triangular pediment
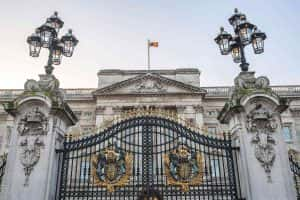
(149, 84)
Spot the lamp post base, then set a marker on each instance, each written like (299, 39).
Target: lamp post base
(244, 66)
(49, 69)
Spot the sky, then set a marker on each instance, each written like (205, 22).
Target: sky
(113, 35)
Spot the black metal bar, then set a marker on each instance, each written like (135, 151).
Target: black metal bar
(244, 65)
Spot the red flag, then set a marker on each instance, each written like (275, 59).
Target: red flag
(153, 44)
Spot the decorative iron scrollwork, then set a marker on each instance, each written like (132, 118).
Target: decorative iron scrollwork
(184, 167)
(111, 168)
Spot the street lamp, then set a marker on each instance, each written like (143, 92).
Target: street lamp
(245, 33)
(46, 36)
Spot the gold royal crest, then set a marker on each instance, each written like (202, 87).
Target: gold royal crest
(184, 167)
(111, 168)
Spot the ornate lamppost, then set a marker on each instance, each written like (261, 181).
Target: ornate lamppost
(245, 33)
(46, 36)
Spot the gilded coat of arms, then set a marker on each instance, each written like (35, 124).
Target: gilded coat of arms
(184, 167)
(111, 168)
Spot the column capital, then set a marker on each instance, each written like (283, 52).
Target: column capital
(248, 87)
(198, 108)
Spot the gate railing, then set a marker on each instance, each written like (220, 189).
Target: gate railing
(295, 167)
(83, 163)
(2, 168)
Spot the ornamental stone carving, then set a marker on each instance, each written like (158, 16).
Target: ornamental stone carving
(148, 86)
(30, 155)
(247, 80)
(31, 127)
(33, 123)
(48, 84)
(262, 124)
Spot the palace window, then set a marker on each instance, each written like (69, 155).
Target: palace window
(214, 168)
(84, 170)
(87, 130)
(1, 141)
(212, 131)
(287, 132)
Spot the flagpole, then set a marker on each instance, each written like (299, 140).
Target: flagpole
(148, 55)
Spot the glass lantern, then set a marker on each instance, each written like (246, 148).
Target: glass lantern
(236, 52)
(55, 22)
(245, 30)
(69, 42)
(223, 40)
(257, 39)
(57, 51)
(47, 34)
(237, 18)
(35, 44)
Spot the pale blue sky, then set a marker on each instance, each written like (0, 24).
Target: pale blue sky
(113, 34)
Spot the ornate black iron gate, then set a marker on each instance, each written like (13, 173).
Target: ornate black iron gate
(148, 157)
(2, 167)
(296, 174)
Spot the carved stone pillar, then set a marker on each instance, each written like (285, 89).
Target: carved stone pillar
(104, 114)
(99, 115)
(253, 115)
(186, 111)
(199, 115)
(41, 118)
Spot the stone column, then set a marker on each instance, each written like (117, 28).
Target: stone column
(41, 118)
(105, 114)
(199, 115)
(253, 115)
(99, 115)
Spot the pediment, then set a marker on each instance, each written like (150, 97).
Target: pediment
(149, 84)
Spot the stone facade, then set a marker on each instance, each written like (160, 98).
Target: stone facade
(175, 90)
(263, 120)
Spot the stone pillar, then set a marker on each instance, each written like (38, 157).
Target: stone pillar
(253, 115)
(99, 115)
(105, 114)
(41, 118)
(199, 115)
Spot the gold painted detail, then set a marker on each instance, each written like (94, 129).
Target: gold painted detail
(140, 112)
(153, 112)
(111, 168)
(184, 168)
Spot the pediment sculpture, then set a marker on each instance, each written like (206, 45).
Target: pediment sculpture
(149, 86)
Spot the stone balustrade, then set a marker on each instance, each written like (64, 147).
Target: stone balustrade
(212, 92)
(224, 92)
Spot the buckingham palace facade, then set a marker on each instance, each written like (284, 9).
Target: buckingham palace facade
(151, 134)
(177, 90)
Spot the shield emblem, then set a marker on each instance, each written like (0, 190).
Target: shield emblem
(184, 167)
(111, 167)
(110, 171)
(184, 171)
